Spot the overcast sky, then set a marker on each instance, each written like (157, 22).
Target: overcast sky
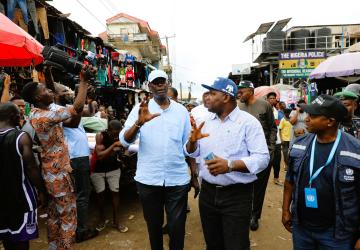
(209, 34)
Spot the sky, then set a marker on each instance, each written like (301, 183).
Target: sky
(209, 34)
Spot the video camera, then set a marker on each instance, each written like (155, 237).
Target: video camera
(56, 57)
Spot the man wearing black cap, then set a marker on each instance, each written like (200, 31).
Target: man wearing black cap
(351, 123)
(229, 162)
(323, 181)
(263, 111)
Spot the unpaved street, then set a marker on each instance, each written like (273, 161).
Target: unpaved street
(271, 234)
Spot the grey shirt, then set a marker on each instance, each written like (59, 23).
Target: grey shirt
(263, 111)
(300, 123)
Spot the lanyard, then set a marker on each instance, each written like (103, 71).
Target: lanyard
(331, 156)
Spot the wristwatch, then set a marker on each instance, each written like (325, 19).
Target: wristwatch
(231, 165)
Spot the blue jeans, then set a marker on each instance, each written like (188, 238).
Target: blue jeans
(11, 4)
(32, 11)
(304, 239)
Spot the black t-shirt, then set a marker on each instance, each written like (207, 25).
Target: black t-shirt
(111, 163)
(323, 217)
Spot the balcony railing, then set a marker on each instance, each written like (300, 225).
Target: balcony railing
(324, 43)
(129, 38)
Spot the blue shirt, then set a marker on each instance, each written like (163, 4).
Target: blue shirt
(161, 158)
(238, 137)
(77, 142)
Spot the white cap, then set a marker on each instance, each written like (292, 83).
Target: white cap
(156, 74)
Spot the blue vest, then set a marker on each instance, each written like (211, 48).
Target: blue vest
(346, 181)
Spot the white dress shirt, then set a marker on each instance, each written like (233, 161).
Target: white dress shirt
(239, 137)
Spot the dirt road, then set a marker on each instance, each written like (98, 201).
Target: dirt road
(270, 236)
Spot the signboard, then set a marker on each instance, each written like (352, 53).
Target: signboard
(140, 37)
(299, 64)
(241, 69)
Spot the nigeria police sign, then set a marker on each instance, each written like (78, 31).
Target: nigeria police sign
(299, 64)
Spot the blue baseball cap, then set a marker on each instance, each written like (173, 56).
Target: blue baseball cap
(224, 85)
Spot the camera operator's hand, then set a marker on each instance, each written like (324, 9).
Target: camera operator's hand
(5, 97)
(7, 81)
(87, 73)
(49, 79)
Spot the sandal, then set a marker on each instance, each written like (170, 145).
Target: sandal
(120, 228)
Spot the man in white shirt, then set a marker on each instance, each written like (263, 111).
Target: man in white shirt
(232, 151)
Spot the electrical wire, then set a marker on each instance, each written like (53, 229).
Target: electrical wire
(96, 18)
(107, 7)
(109, 3)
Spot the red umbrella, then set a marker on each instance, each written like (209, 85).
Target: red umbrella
(17, 47)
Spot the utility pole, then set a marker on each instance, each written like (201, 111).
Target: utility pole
(167, 50)
(167, 47)
(190, 87)
(181, 96)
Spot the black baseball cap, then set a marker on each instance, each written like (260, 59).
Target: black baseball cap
(326, 105)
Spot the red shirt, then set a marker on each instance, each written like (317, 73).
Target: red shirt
(129, 74)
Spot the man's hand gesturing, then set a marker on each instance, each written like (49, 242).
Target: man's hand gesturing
(144, 113)
(196, 134)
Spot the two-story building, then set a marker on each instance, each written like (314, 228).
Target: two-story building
(290, 55)
(128, 33)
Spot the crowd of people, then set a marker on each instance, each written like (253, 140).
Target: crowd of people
(224, 148)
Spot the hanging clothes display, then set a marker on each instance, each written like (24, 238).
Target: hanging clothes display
(2, 8)
(311, 92)
(11, 4)
(102, 75)
(18, 19)
(32, 11)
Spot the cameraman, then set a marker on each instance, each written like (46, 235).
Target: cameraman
(107, 168)
(55, 159)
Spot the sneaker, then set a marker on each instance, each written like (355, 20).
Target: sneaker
(120, 228)
(101, 226)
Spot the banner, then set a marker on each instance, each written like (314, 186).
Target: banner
(299, 64)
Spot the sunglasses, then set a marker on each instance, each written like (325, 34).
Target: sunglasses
(159, 81)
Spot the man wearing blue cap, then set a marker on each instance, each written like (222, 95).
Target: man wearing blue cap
(232, 148)
(162, 178)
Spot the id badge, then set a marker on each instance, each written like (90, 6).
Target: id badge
(310, 198)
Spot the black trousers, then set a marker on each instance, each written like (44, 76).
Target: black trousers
(285, 151)
(81, 175)
(225, 215)
(277, 160)
(174, 199)
(259, 191)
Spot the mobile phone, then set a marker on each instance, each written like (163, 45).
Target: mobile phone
(209, 157)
